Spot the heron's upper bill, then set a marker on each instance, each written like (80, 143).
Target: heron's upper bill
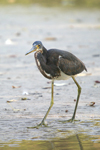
(34, 48)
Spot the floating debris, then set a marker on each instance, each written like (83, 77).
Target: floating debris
(66, 111)
(15, 86)
(50, 39)
(25, 98)
(15, 110)
(97, 81)
(25, 93)
(12, 100)
(9, 42)
(91, 103)
(46, 88)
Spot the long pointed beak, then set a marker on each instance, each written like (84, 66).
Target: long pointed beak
(34, 48)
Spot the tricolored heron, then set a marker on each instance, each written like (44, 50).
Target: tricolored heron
(57, 64)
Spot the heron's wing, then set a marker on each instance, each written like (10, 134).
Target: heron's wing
(71, 65)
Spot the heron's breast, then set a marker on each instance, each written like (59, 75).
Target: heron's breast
(63, 76)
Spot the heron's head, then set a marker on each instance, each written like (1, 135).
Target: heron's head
(37, 45)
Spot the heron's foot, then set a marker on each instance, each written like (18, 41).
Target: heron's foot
(70, 120)
(39, 125)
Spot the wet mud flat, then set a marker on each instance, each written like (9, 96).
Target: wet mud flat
(28, 92)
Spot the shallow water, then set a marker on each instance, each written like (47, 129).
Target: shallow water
(76, 142)
(77, 31)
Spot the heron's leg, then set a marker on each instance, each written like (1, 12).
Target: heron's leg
(51, 104)
(78, 96)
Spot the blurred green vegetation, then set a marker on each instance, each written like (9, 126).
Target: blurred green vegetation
(67, 3)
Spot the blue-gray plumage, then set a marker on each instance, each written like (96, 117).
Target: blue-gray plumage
(57, 64)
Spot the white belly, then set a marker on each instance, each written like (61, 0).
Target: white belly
(63, 76)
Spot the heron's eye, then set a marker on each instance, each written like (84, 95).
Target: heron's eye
(39, 45)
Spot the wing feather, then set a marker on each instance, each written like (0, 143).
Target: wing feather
(71, 65)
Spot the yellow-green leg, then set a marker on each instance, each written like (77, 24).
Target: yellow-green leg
(51, 104)
(78, 96)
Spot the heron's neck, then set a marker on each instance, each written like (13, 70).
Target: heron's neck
(44, 52)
